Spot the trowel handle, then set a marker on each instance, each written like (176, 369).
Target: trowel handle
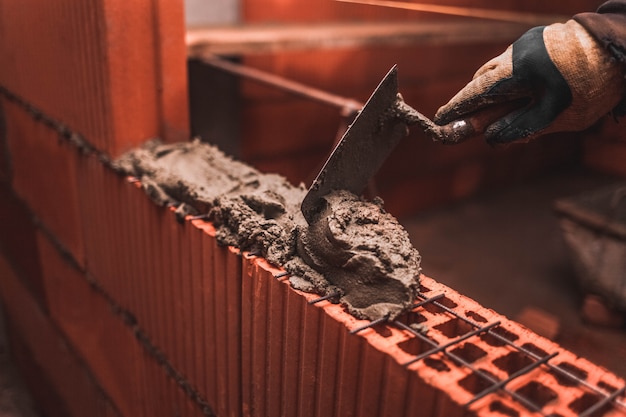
(472, 126)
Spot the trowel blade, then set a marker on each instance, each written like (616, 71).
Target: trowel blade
(365, 145)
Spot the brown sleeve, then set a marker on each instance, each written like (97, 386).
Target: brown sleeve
(608, 26)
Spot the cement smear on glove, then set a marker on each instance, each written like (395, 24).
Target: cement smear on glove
(355, 250)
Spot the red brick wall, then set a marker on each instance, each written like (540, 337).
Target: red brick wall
(111, 69)
(116, 309)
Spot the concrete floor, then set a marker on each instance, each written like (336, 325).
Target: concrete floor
(505, 250)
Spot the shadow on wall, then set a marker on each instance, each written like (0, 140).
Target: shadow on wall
(215, 107)
(5, 166)
(15, 401)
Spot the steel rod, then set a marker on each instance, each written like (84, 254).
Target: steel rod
(370, 324)
(533, 355)
(452, 343)
(324, 298)
(347, 105)
(517, 374)
(428, 300)
(588, 412)
(526, 402)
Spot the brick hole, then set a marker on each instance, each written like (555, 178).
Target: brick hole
(537, 393)
(565, 380)
(588, 400)
(411, 318)
(475, 384)
(415, 346)
(424, 289)
(436, 364)
(435, 309)
(607, 387)
(469, 352)
(534, 349)
(499, 407)
(512, 362)
(384, 331)
(492, 340)
(454, 328)
(475, 316)
(431, 308)
(447, 302)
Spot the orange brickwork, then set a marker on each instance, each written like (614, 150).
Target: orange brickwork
(113, 70)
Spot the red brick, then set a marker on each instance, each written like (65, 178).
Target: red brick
(114, 71)
(106, 210)
(248, 293)
(348, 372)
(174, 302)
(45, 176)
(187, 283)
(172, 88)
(291, 348)
(233, 280)
(209, 317)
(259, 344)
(199, 372)
(122, 367)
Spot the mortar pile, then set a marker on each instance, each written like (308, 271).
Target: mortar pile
(358, 253)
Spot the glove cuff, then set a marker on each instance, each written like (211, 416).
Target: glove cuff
(595, 78)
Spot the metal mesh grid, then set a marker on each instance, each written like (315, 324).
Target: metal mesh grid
(607, 400)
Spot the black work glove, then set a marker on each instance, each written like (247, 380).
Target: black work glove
(564, 79)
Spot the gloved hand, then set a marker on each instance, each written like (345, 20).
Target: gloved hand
(565, 79)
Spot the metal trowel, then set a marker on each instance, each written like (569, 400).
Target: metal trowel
(365, 145)
(374, 133)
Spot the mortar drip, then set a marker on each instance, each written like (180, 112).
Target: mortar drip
(358, 251)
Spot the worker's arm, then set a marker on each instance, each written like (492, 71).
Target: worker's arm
(565, 77)
(608, 27)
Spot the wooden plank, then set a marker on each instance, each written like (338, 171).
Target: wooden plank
(259, 39)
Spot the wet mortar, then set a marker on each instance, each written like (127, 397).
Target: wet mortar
(354, 251)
